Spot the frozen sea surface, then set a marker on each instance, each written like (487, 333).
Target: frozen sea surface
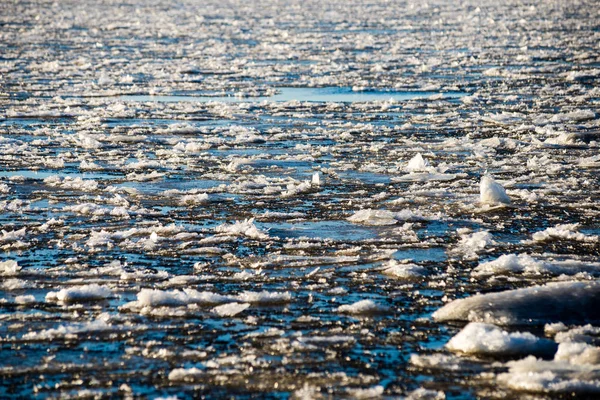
(308, 199)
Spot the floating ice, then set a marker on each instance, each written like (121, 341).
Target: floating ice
(563, 231)
(383, 217)
(567, 302)
(426, 394)
(525, 264)
(230, 309)
(374, 217)
(361, 307)
(265, 297)
(491, 192)
(404, 271)
(100, 324)
(471, 244)
(243, 228)
(9, 268)
(418, 164)
(574, 370)
(487, 339)
(80, 294)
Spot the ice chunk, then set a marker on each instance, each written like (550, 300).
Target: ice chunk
(369, 393)
(12, 236)
(101, 323)
(506, 264)
(563, 231)
(242, 228)
(384, 217)
(404, 271)
(361, 307)
(471, 244)
(426, 394)
(230, 309)
(567, 302)
(373, 217)
(80, 294)
(574, 370)
(491, 192)
(9, 268)
(174, 298)
(418, 164)
(193, 199)
(525, 264)
(25, 299)
(487, 339)
(265, 297)
(576, 353)
(317, 179)
(183, 374)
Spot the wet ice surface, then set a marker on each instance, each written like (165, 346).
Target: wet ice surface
(260, 200)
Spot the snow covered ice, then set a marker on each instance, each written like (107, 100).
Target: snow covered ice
(312, 199)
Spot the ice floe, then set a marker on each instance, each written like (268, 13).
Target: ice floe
(567, 302)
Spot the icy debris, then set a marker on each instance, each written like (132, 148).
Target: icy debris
(50, 223)
(307, 392)
(574, 370)
(491, 192)
(327, 340)
(563, 231)
(86, 185)
(567, 302)
(230, 309)
(553, 329)
(173, 298)
(418, 164)
(317, 179)
(576, 353)
(151, 176)
(242, 228)
(471, 245)
(9, 268)
(152, 298)
(14, 284)
(575, 116)
(87, 141)
(185, 375)
(586, 334)
(487, 339)
(264, 297)
(361, 307)
(373, 217)
(80, 294)
(368, 393)
(525, 264)
(100, 324)
(508, 263)
(193, 199)
(12, 236)
(294, 189)
(25, 299)
(426, 394)
(383, 217)
(436, 361)
(404, 271)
